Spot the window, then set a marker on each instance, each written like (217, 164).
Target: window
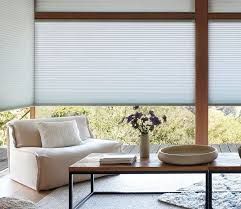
(225, 62)
(115, 62)
(225, 125)
(104, 122)
(16, 53)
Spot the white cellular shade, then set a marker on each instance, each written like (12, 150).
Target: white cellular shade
(225, 6)
(115, 5)
(16, 53)
(114, 62)
(225, 62)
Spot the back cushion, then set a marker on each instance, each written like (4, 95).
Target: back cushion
(26, 132)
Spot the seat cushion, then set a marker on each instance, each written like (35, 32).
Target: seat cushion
(53, 163)
(26, 132)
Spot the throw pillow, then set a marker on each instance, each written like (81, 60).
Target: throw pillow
(59, 134)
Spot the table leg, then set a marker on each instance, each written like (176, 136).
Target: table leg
(70, 190)
(82, 201)
(92, 178)
(206, 191)
(210, 192)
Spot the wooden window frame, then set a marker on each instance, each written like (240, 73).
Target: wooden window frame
(201, 17)
(32, 112)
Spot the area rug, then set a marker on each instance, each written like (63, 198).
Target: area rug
(14, 203)
(226, 193)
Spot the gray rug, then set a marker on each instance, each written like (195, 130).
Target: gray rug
(14, 203)
(226, 194)
(194, 199)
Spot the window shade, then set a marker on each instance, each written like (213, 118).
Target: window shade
(224, 6)
(115, 6)
(16, 53)
(225, 62)
(114, 62)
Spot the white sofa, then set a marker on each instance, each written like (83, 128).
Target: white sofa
(46, 168)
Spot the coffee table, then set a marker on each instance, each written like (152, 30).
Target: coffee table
(90, 165)
(225, 163)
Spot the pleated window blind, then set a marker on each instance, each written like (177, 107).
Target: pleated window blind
(115, 5)
(114, 62)
(224, 6)
(225, 62)
(16, 53)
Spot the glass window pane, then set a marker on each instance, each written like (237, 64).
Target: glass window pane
(225, 126)
(105, 122)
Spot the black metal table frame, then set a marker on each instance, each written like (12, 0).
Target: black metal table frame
(208, 188)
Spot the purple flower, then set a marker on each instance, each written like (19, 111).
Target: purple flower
(138, 115)
(130, 118)
(142, 122)
(155, 120)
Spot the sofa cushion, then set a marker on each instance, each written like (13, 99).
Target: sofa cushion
(53, 163)
(26, 132)
(59, 134)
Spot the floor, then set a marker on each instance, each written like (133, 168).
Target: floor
(3, 159)
(14, 189)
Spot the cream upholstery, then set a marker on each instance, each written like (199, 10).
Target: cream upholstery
(46, 168)
(59, 134)
(26, 132)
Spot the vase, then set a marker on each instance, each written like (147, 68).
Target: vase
(144, 146)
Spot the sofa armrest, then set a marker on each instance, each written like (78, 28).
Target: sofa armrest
(24, 167)
(10, 142)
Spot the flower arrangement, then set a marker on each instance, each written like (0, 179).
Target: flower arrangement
(142, 122)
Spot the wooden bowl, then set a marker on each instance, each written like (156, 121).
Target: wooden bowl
(188, 154)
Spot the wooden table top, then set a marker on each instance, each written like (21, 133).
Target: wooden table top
(224, 162)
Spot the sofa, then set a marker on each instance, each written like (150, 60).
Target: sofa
(46, 168)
